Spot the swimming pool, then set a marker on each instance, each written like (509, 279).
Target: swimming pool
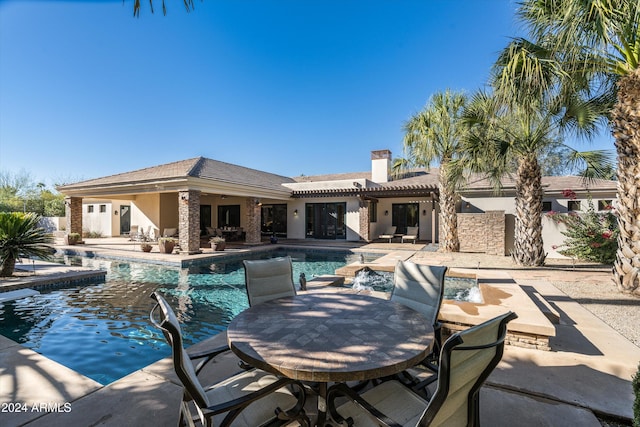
(102, 330)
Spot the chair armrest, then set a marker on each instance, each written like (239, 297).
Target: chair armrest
(207, 355)
(343, 390)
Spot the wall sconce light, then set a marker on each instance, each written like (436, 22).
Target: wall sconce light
(184, 198)
(467, 205)
(295, 212)
(424, 212)
(115, 212)
(386, 213)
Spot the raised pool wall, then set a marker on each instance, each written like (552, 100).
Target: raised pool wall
(500, 293)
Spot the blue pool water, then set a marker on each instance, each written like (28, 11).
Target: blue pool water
(102, 330)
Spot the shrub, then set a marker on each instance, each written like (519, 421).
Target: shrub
(21, 236)
(590, 236)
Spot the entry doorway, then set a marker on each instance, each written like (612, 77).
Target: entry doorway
(326, 220)
(125, 219)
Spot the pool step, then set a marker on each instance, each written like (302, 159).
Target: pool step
(17, 294)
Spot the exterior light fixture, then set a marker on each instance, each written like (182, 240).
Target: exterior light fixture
(386, 213)
(424, 212)
(115, 212)
(295, 212)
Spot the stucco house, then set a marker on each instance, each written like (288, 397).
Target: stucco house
(196, 195)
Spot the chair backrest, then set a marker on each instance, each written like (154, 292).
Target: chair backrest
(268, 279)
(390, 230)
(466, 360)
(170, 327)
(420, 287)
(169, 232)
(412, 231)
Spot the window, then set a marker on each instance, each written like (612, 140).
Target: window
(373, 211)
(103, 208)
(604, 205)
(229, 216)
(546, 206)
(574, 205)
(89, 208)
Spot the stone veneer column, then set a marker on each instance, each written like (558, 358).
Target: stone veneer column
(73, 213)
(253, 221)
(365, 223)
(189, 221)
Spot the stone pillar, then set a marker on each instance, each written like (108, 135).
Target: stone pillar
(253, 221)
(189, 221)
(73, 212)
(365, 222)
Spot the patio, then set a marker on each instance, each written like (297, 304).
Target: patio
(565, 386)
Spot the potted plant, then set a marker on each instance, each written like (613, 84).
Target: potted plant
(72, 238)
(146, 247)
(218, 243)
(166, 244)
(274, 239)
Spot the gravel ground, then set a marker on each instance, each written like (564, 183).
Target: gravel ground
(618, 310)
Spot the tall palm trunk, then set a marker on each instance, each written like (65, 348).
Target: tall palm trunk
(449, 241)
(626, 130)
(528, 246)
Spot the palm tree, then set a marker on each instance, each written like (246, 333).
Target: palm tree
(20, 235)
(188, 4)
(434, 136)
(593, 46)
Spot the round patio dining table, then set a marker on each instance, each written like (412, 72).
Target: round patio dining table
(330, 337)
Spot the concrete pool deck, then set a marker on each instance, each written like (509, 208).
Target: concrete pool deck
(587, 371)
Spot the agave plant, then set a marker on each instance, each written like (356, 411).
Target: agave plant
(21, 236)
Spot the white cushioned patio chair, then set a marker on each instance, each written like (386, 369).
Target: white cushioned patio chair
(268, 279)
(412, 234)
(466, 360)
(389, 233)
(251, 398)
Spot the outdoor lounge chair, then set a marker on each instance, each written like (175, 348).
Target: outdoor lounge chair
(412, 234)
(250, 398)
(467, 359)
(421, 287)
(388, 234)
(268, 279)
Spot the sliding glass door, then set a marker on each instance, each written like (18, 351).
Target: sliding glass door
(326, 220)
(404, 215)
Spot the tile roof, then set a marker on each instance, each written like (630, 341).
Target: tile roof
(199, 167)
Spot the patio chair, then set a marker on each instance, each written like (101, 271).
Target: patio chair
(268, 279)
(467, 359)
(170, 232)
(250, 398)
(421, 287)
(389, 233)
(412, 234)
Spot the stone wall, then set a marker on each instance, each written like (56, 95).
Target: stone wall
(73, 212)
(514, 338)
(189, 221)
(482, 232)
(253, 236)
(363, 210)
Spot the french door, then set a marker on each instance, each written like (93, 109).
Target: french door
(326, 220)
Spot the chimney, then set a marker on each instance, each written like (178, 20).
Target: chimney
(380, 165)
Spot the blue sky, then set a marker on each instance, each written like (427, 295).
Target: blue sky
(286, 86)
